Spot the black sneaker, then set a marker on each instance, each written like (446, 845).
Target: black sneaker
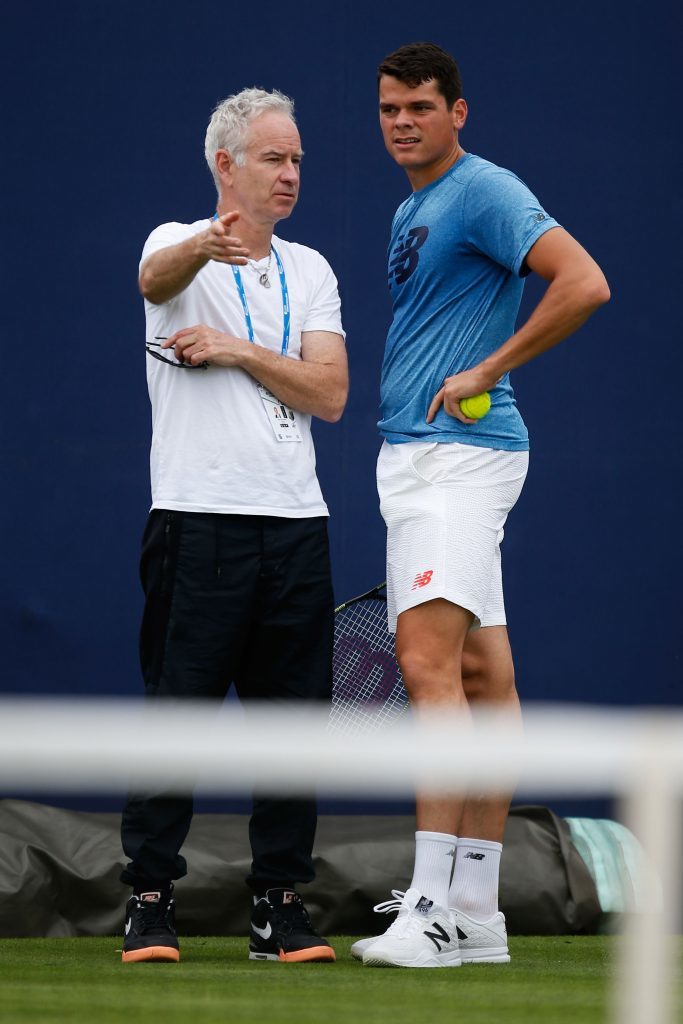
(281, 930)
(150, 928)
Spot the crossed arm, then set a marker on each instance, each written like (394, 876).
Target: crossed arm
(318, 383)
(576, 288)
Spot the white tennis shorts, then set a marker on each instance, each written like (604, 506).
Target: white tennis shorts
(445, 507)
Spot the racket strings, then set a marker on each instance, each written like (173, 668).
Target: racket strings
(368, 689)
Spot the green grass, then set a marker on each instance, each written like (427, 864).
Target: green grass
(550, 981)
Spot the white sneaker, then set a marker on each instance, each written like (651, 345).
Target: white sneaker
(359, 947)
(482, 942)
(479, 943)
(387, 907)
(421, 936)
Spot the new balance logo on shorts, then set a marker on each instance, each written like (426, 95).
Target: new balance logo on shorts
(422, 579)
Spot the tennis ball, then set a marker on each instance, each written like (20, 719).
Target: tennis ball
(476, 406)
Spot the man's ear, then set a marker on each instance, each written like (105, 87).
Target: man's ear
(224, 165)
(459, 113)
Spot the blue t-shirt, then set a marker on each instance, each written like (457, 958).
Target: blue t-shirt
(456, 270)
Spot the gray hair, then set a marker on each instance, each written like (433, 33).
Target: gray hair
(230, 122)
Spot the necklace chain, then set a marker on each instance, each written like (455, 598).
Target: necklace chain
(263, 274)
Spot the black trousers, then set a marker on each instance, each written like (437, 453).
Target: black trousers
(231, 599)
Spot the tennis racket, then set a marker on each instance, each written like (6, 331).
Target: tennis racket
(367, 689)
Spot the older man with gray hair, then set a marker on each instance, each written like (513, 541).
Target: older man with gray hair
(244, 345)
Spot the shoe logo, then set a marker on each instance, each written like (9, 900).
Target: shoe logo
(150, 897)
(437, 936)
(422, 579)
(475, 856)
(264, 933)
(129, 924)
(460, 933)
(289, 896)
(423, 905)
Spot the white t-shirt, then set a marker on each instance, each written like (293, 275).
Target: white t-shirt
(213, 448)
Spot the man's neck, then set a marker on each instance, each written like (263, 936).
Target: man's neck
(255, 236)
(420, 177)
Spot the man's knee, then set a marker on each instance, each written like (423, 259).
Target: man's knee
(482, 685)
(487, 669)
(431, 676)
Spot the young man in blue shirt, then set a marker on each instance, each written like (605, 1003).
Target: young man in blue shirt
(460, 248)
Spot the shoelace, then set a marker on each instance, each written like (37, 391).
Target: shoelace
(404, 922)
(390, 906)
(154, 915)
(293, 916)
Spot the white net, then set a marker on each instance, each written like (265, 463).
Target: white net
(84, 746)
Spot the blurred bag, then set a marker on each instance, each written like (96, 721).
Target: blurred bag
(59, 873)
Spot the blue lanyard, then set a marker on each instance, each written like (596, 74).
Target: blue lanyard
(285, 302)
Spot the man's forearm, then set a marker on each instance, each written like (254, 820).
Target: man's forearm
(576, 288)
(169, 271)
(319, 389)
(316, 384)
(566, 305)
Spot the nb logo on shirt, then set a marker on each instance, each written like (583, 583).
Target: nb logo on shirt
(422, 579)
(405, 256)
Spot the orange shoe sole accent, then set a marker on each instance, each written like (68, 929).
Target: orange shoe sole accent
(156, 954)
(314, 954)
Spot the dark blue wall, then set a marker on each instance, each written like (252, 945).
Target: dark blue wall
(102, 139)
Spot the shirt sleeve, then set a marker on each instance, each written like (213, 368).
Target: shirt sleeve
(165, 235)
(324, 308)
(502, 218)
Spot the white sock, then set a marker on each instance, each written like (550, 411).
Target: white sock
(474, 888)
(434, 854)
